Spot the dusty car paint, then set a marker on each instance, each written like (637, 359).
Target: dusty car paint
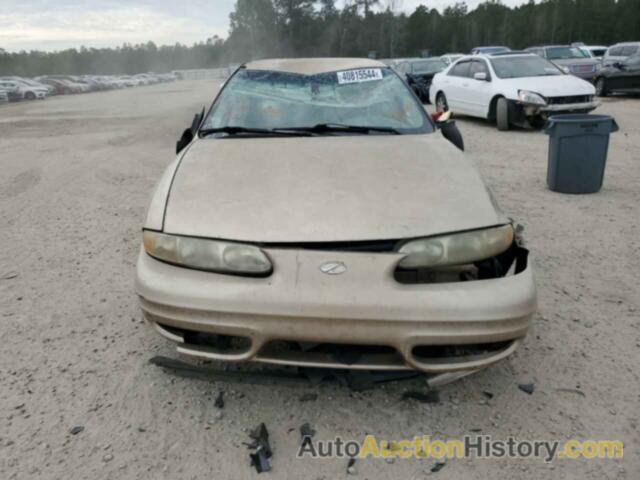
(287, 189)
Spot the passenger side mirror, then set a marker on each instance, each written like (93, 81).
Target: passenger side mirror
(565, 70)
(448, 128)
(481, 76)
(190, 133)
(619, 65)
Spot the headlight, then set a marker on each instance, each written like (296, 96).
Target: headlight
(203, 254)
(531, 98)
(598, 67)
(456, 249)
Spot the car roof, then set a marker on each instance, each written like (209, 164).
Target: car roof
(509, 53)
(557, 45)
(498, 55)
(425, 59)
(313, 66)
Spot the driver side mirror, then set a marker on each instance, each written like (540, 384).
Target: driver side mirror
(190, 133)
(481, 76)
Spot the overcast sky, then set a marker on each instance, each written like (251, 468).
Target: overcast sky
(58, 24)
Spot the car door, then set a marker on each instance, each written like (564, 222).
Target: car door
(12, 90)
(476, 94)
(454, 83)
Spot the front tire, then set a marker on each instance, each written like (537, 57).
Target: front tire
(441, 103)
(30, 96)
(502, 114)
(601, 87)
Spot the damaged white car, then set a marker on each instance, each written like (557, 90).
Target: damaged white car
(317, 217)
(513, 88)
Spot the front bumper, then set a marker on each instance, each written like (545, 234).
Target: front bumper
(365, 306)
(533, 110)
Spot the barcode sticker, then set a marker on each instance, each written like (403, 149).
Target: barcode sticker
(358, 76)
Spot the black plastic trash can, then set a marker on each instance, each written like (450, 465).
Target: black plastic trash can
(578, 147)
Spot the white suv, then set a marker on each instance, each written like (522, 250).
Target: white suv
(514, 88)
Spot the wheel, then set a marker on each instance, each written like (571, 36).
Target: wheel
(30, 96)
(441, 103)
(502, 114)
(601, 87)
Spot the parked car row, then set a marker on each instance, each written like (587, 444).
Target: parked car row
(581, 60)
(611, 70)
(510, 88)
(13, 88)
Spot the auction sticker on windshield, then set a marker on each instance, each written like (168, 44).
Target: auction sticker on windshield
(357, 76)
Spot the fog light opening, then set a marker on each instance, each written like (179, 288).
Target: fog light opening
(218, 343)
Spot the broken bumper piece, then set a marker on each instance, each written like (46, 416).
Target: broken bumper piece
(532, 110)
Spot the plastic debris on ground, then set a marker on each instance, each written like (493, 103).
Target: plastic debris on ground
(262, 453)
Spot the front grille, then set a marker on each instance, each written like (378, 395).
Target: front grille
(570, 99)
(583, 68)
(357, 246)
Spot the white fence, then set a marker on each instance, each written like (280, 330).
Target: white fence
(203, 74)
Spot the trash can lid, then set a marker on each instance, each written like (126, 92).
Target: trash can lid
(579, 118)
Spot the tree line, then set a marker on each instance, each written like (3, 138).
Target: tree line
(284, 28)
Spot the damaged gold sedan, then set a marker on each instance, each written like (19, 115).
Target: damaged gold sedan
(317, 217)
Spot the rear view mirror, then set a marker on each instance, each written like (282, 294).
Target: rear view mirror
(482, 76)
(190, 133)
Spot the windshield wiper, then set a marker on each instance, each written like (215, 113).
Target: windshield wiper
(234, 130)
(340, 128)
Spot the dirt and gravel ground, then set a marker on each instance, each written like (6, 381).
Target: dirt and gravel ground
(75, 178)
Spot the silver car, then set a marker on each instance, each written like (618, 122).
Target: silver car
(573, 59)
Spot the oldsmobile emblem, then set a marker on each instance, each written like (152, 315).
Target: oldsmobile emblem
(333, 268)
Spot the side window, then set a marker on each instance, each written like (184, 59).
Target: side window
(478, 66)
(460, 69)
(628, 51)
(615, 52)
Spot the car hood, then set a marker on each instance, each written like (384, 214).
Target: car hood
(326, 189)
(553, 86)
